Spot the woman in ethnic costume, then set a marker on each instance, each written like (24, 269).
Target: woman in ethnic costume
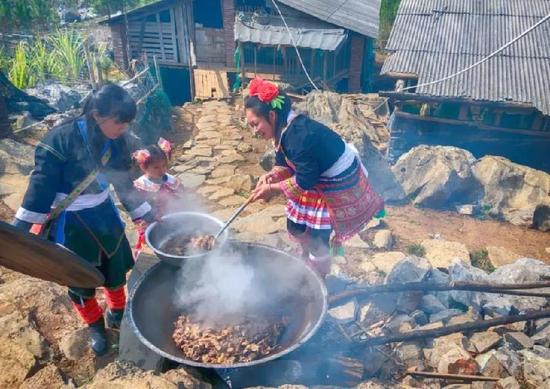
(68, 157)
(322, 176)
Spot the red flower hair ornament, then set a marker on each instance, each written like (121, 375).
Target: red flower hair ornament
(267, 92)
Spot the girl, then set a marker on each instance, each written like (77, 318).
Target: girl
(74, 165)
(322, 177)
(159, 188)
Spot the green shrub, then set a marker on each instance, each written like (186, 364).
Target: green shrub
(416, 249)
(480, 259)
(68, 47)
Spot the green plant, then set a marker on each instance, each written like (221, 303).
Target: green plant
(480, 259)
(20, 72)
(4, 61)
(416, 249)
(67, 46)
(43, 62)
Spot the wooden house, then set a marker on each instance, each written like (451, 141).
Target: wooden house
(204, 46)
(501, 107)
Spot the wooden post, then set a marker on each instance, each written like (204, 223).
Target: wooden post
(99, 70)
(255, 61)
(157, 71)
(89, 64)
(325, 66)
(186, 18)
(241, 51)
(274, 62)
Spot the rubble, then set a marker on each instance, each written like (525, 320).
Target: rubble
(58, 96)
(448, 356)
(485, 341)
(383, 239)
(441, 253)
(518, 340)
(536, 370)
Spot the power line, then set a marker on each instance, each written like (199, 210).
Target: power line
(482, 60)
(295, 46)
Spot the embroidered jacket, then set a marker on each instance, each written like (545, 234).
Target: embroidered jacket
(64, 158)
(311, 148)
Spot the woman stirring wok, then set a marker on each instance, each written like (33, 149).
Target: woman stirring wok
(322, 177)
(79, 160)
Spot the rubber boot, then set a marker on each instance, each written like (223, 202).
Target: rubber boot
(98, 337)
(114, 318)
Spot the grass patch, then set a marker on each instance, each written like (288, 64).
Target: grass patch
(480, 259)
(416, 249)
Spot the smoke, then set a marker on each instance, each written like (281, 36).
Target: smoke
(226, 288)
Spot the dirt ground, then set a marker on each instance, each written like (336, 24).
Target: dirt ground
(412, 225)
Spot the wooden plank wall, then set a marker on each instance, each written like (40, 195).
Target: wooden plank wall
(211, 84)
(154, 38)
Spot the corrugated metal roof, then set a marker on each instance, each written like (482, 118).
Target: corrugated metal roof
(435, 38)
(317, 35)
(356, 15)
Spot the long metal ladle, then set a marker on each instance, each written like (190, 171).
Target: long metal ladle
(232, 218)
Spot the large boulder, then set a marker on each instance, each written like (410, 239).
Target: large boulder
(512, 192)
(437, 176)
(541, 217)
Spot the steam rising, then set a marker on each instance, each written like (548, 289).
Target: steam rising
(225, 288)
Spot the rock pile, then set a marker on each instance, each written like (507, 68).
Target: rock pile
(511, 353)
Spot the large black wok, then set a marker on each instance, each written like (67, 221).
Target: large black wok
(294, 290)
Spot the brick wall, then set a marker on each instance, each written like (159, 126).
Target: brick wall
(228, 27)
(356, 62)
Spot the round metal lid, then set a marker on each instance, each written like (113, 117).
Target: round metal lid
(37, 257)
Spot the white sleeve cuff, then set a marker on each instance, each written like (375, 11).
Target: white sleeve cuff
(30, 216)
(140, 211)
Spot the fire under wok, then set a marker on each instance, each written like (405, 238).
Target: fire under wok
(295, 293)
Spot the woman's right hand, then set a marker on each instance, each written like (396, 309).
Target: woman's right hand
(265, 179)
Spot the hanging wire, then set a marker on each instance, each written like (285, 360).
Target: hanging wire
(295, 46)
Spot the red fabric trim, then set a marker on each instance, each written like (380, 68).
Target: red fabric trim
(90, 312)
(115, 298)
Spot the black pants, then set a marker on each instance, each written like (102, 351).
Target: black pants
(317, 241)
